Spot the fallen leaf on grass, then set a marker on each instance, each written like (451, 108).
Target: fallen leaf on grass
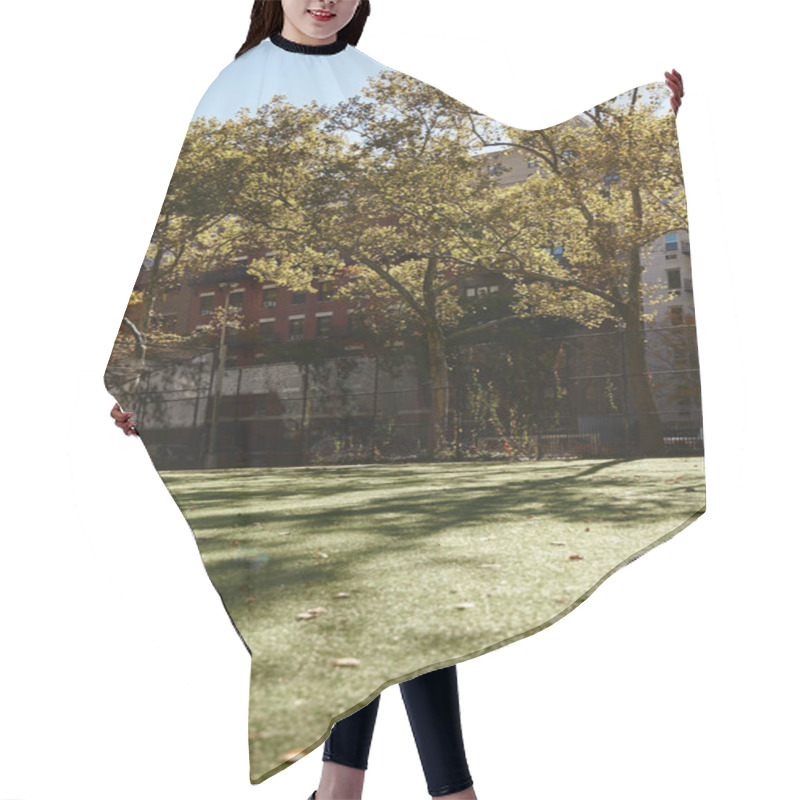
(346, 662)
(465, 605)
(311, 613)
(558, 544)
(285, 533)
(342, 594)
(575, 557)
(320, 554)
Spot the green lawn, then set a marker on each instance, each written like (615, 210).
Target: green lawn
(521, 543)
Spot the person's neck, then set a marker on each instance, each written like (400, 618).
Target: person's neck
(332, 48)
(294, 34)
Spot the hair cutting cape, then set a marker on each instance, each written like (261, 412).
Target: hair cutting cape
(419, 381)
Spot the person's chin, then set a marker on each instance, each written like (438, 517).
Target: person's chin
(314, 32)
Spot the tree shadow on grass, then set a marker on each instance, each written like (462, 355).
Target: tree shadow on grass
(394, 506)
(391, 511)
(368, 518)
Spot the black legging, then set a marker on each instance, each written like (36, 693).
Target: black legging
(431, 701)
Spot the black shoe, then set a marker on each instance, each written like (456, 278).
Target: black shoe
(313, 795)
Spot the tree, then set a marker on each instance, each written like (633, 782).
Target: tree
(207, 174)
(607, 183)
(397, 207)
(386, 194)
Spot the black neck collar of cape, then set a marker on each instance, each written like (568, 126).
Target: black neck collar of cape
(308, 49)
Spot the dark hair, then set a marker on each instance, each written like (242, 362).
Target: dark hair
(266, 18)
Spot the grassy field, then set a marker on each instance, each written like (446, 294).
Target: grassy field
(409, 567)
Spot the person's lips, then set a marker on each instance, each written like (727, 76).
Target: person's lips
(323, 16)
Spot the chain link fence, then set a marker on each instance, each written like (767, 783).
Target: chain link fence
(568, 396)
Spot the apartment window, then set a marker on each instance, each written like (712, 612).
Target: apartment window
(481, 291)
(169, 323)
(674, 279)
(355, 324)
(324, 326)
(266, 329)
(296, 328)
(685, 248)
(325, 291)
(495, 169)
(207, 303)
(237, 300)
(676, 315)
(671, 242)
(681, 356)
(298, 298)
(270, 297)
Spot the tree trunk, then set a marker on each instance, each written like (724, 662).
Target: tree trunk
(305, 417)
(148, 293)
(212, 457)
(651, 442)
(437, 369)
